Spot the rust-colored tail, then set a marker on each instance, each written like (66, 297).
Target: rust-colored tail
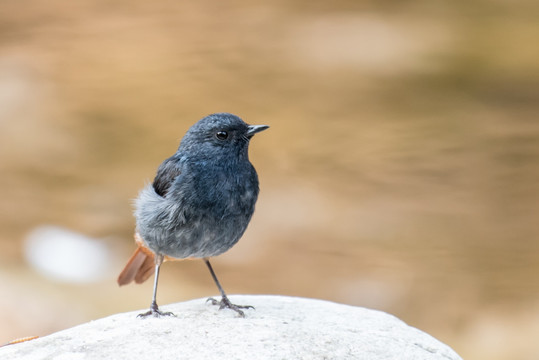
(139, 267)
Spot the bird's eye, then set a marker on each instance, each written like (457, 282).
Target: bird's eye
(221, 135)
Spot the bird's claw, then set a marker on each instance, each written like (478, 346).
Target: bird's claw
(225, 303)
(155, 312)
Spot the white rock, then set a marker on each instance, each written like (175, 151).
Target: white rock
(279, 328)
(67, 256)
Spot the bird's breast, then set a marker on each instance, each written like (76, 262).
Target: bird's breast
(224, 191)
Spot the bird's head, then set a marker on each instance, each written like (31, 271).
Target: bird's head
(219, 135)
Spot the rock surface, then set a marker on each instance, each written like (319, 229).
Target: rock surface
(279, 328)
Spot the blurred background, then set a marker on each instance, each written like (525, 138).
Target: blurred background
(400, 172)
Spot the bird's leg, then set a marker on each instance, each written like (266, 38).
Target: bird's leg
(225, 302)
(154, 309)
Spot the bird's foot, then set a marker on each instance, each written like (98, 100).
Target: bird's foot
(225, 303)
(155, 312)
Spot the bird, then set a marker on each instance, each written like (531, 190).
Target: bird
(198, 205)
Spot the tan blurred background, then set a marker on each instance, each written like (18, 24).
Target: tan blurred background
(400, 172)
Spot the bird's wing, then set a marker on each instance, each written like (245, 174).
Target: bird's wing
(168, 171)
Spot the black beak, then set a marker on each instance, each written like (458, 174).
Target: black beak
(253, 129)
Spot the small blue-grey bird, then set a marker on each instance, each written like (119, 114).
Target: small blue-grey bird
(199, 203)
